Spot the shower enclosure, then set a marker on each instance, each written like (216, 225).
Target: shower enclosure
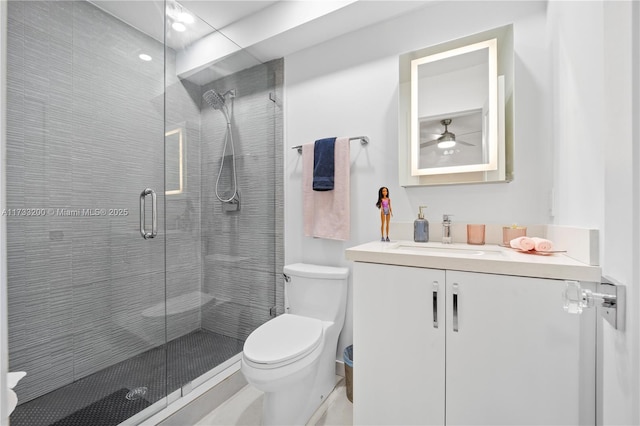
(129, 282)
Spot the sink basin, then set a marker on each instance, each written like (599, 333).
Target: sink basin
(444, 249)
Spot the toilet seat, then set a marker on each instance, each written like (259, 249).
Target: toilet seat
(283, 340)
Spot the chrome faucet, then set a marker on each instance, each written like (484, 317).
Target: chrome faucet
(446, 228)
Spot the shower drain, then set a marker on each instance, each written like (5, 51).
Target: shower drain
(137, 393)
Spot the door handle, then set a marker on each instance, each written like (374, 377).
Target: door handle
(154, 214)
(455, 307)
(435, 286)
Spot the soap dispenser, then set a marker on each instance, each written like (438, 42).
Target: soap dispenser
(421, 227)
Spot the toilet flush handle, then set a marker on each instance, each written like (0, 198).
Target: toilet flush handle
(287, 280)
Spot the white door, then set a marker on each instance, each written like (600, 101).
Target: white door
(516, 357)
(398, 364)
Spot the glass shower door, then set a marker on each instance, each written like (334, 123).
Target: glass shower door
(85, 150)
(223, 208)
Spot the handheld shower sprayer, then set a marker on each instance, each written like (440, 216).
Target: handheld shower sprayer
(218, 103)
(214, 99)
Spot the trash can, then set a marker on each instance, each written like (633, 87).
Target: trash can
(348, 371)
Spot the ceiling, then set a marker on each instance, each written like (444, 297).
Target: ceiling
(147, 15)
(219, 13)
(263, 30)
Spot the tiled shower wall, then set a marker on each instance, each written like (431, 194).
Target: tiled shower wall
(182, 211)
(85, 130)
(243, 250)
(86, 123)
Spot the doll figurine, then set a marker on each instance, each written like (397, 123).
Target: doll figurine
(384, 204)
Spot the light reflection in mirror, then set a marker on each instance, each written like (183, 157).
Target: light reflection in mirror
(465, 146)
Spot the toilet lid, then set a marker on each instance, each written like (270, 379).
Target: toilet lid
(284, 338)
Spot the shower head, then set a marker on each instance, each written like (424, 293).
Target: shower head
(214, 99)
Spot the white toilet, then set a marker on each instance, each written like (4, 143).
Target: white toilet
(292, 357)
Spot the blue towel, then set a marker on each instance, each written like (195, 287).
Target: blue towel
(323, 164)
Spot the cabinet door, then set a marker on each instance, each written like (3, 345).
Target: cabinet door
(517, 358)
(398, 366)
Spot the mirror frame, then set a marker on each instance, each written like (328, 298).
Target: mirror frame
(504, 87)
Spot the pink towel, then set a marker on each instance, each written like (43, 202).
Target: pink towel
(327, 214)
(523, 243)
(542, 244)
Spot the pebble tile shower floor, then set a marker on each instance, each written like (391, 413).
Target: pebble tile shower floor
(100, 399)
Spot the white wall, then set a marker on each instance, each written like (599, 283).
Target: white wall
(349, 87)
(596, 171)
(574, 86)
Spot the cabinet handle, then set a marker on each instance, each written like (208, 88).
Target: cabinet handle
(455, 307)
(435, 304)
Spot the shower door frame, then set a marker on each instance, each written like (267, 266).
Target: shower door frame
(4, 317)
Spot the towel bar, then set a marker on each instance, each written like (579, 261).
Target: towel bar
(363, 141)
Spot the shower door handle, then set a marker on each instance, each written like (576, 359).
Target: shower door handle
(154, 214)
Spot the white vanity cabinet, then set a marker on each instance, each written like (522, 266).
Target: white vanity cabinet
(490, 350)
(399, 357)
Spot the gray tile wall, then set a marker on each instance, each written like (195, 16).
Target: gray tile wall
(243, 251)
(85, 130)
(182, 211)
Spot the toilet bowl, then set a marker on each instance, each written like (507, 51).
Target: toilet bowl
(291, 358)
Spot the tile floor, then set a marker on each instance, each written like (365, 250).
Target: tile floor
(96, 398)
(244, 408)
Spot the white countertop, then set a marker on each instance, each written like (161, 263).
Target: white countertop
(487, 258)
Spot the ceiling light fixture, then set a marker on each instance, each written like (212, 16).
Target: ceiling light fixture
(145, 57)
(178, 26)
(448, 139)
(180, 16)
(185, 17)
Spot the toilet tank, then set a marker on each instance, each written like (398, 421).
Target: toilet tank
(316, 291)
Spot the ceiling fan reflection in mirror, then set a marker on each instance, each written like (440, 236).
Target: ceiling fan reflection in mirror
(444, 140)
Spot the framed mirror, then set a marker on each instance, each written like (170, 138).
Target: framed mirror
(174, 141)
(454, 122)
